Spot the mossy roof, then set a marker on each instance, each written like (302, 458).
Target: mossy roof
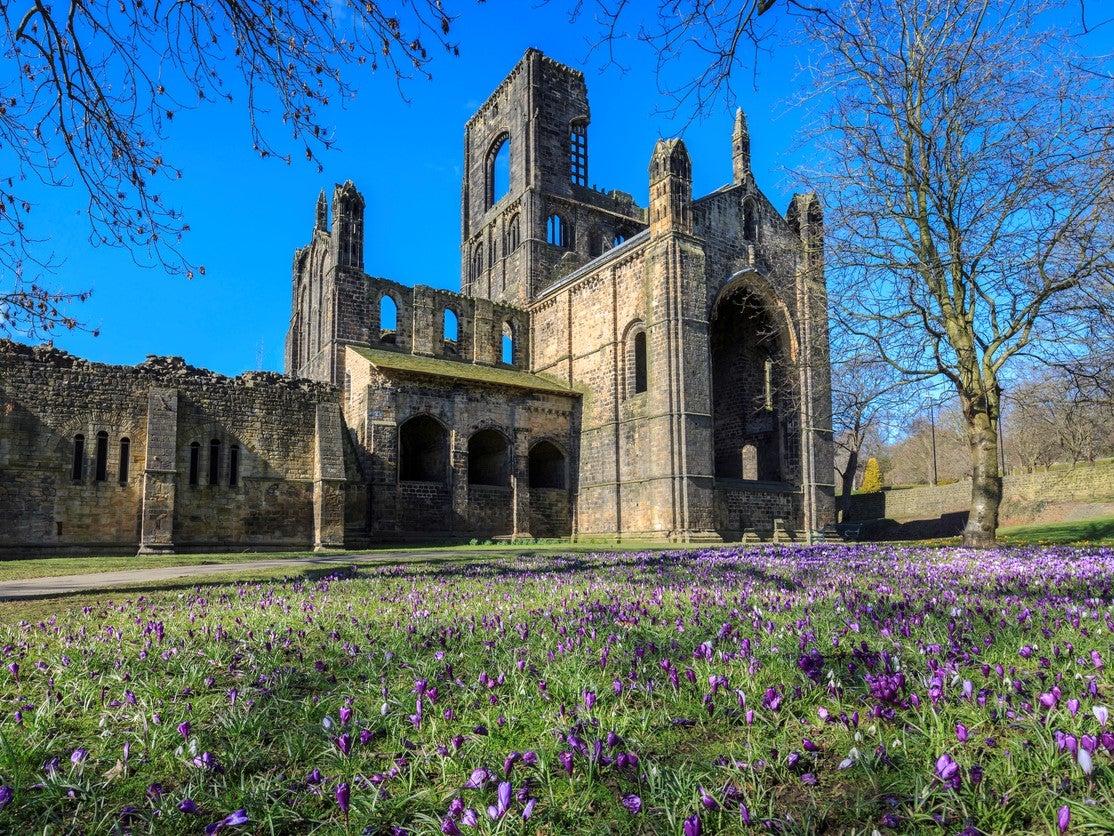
(396, 361)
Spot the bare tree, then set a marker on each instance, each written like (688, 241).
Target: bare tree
(89, 88)
(965, 197)
(866, 396)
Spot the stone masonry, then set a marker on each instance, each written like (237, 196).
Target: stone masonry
(605, 370)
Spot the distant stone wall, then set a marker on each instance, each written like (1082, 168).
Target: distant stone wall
(1082, 483)
(163, 457)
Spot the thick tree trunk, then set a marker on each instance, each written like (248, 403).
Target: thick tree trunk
(848, 479)
(986, 482)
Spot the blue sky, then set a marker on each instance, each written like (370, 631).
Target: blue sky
(248, 215)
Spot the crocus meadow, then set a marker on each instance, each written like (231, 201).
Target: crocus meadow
(780, 689)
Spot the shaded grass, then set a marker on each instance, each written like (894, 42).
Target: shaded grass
(22, 568)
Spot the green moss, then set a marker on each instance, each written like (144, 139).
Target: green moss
(392, 361)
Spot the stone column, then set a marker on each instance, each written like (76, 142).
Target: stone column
(328, 479)
(156, 535)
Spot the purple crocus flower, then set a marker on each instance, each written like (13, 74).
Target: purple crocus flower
(345, 714)
(344, 743)
(1063, 818)
(707, 800)
(188, 805)
(566, 761)
(479, 779)
(692, 825)
(948, 771)
(6, 796)
(450, 828)
(231, 820)
(78, 756)
(470, 817)
(961, 732)
(744, 813)
(528, 810)
(633, 803)
(184, 729)
(589, 699)
(343, 795)
(498, 810)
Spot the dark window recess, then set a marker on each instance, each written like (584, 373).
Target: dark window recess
(195, 461)
(233, 466)
(125, 458)
(214, 462)
(640, 375)
(547, 466)
(423, 450)
(101, 471)
(78, 469)
(488, 459)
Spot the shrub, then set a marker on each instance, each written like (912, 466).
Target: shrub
(872, 476)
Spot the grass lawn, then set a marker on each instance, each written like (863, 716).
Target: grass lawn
(834, 689)
(1093, 531)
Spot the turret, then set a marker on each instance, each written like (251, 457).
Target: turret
(348, 226)
(740, 149)
(321, 220)
(670, 188)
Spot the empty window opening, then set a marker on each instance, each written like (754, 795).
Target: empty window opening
(499, 170)
(125, 458)
(195, 461)
(101, 471)
(547, 466)
(641, 378)
(508, 344)
(557, 232)
(451, 332)
(234, 465)
(512, 235)
(578, 153)
(78, 469)
(488, 459)
(750, 222)
(750, 462)
(214, 461)
(617, 239)
(476, 265)
(388, 319)
(423, 450)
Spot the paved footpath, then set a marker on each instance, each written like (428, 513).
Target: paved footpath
(66, 584)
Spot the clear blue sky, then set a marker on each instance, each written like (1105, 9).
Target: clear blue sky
(248, 215)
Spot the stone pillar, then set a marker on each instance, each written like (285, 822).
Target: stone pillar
(156, 535)
(328, 479)
(520, 483)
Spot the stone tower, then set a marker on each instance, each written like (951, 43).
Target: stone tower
(528, 213)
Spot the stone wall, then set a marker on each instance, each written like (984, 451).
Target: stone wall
(1082, 483)
(189, 460)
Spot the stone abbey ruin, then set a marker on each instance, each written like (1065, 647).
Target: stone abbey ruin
(605, 370)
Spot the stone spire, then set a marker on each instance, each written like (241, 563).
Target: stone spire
(321, 221)
(740, 148)
(670, 188)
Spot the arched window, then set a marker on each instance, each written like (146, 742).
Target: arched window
(214, 461)
(476, 265)
(488, 459)
(578, 152)
(388, 319)
(423, 450)
(639, 366)
(750, 462)
(498, 170)
(125, 458)
(508, 347)
(513, 234)
(195, 461)
(100, 473)
(234, 465)
(547, 466)
(78, 468)
(451, 332)
(557, 232)
(750, 222)
(617, 239)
